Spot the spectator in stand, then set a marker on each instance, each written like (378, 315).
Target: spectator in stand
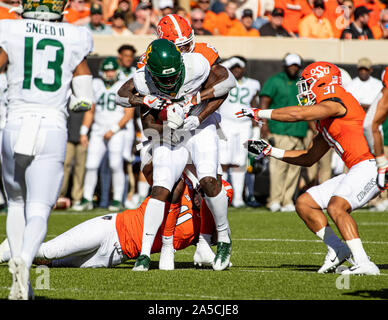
(294, 11)
(210, 22)
(227, 20)
(96, 25)
(180, 11)
(4, 11)
(219, 6)
(197, 19)
(375, 8)
(381, 30)
(278, 91)
(166, 7)
(245, 29)
(119, 24)
(274, 27)
(146, 20)
(315, 25)
(78, 12)
(364, 87)
(264, 10)
(126, 7)
(359, 29)
(340, 15)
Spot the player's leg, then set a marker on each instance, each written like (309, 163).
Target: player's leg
(96, 151)
(168, 165)
(115, 147)
(204, 154)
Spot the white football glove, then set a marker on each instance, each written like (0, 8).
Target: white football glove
(154, 102)
(382, 173)
(175, 116)
(191, 123)
(79, 104)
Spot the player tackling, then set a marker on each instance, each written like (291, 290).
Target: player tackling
(45, 58)
(339, 119)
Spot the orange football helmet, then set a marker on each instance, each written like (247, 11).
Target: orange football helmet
(178, 30)
(316, 75)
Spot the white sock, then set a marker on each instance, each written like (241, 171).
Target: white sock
(35, 231)
(90, 182)
(15, 225)
(143, 188)
(359, 254)
(168, 241)
(153, 218)
(328, 236)
(237, 177)
(218, 205)
(118, 183)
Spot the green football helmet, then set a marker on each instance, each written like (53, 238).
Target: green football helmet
(109, 64)
(43, 9)
(165, 64)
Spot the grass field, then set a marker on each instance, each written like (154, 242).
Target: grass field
(274, 256)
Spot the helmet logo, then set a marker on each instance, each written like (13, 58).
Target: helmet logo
(320, 71)
(148, 52)
(168, 71)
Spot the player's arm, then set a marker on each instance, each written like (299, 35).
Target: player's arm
(82, 84)
(306, 158)
(379, 118)
(3, 58)
(86, 124)
(323, 110)
(149, 121)
(128, 115)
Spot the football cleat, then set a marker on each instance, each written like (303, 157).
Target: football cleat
(204, 255)
(366, 268)
(115, 206)
(166, 261)
(222, 258)
(83, 205)
(142, 263)
(335, 258)
(21, 288)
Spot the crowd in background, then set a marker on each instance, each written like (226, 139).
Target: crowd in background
(344, 19)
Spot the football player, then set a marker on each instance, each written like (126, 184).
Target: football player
(45, 58)
(233, 155)
(170, 76)
(178, 30)
(109, 240)
(106, 122)
(3, 115)
(339, 118)
(375, 117)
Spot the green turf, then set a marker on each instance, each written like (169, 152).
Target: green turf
(274, 256)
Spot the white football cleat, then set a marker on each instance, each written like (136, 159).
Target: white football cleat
(335, 258)
(238, 203)
(21, 288)
(366, 268)
(204, 255)
(274, 207)
(4, 247)
(288, 208)
(166, 261)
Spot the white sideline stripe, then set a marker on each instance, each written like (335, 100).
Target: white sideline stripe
(303, 240)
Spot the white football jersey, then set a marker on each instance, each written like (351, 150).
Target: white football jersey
(106, 113)
(239, 97)
(3, 99)
(197, 70)
(42, 57)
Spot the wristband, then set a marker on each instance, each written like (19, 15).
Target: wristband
(277, 153)
(265, 114)
(115, 128)
(83, 130)
(381, 161)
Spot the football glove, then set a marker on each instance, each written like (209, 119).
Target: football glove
(259, 147)
(175, 116)
(156, 103)
(79, 104)
(248, 112)
(191, 123)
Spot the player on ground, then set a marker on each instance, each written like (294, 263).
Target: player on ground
(44, 59)
(107, 122)
(339, 118)
(233, 155)
(170, 76)
(109, 240)
(375, 117)
(178, 30)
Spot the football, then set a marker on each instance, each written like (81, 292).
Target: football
(175, 116)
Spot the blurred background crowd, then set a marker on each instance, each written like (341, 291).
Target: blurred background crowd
(344, 19)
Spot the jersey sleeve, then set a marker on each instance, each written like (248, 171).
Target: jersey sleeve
(209, 52)
(330, 92)
(140, 82)
(85, 47)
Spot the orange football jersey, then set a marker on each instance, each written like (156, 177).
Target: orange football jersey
(344, 134)
(208, 51)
